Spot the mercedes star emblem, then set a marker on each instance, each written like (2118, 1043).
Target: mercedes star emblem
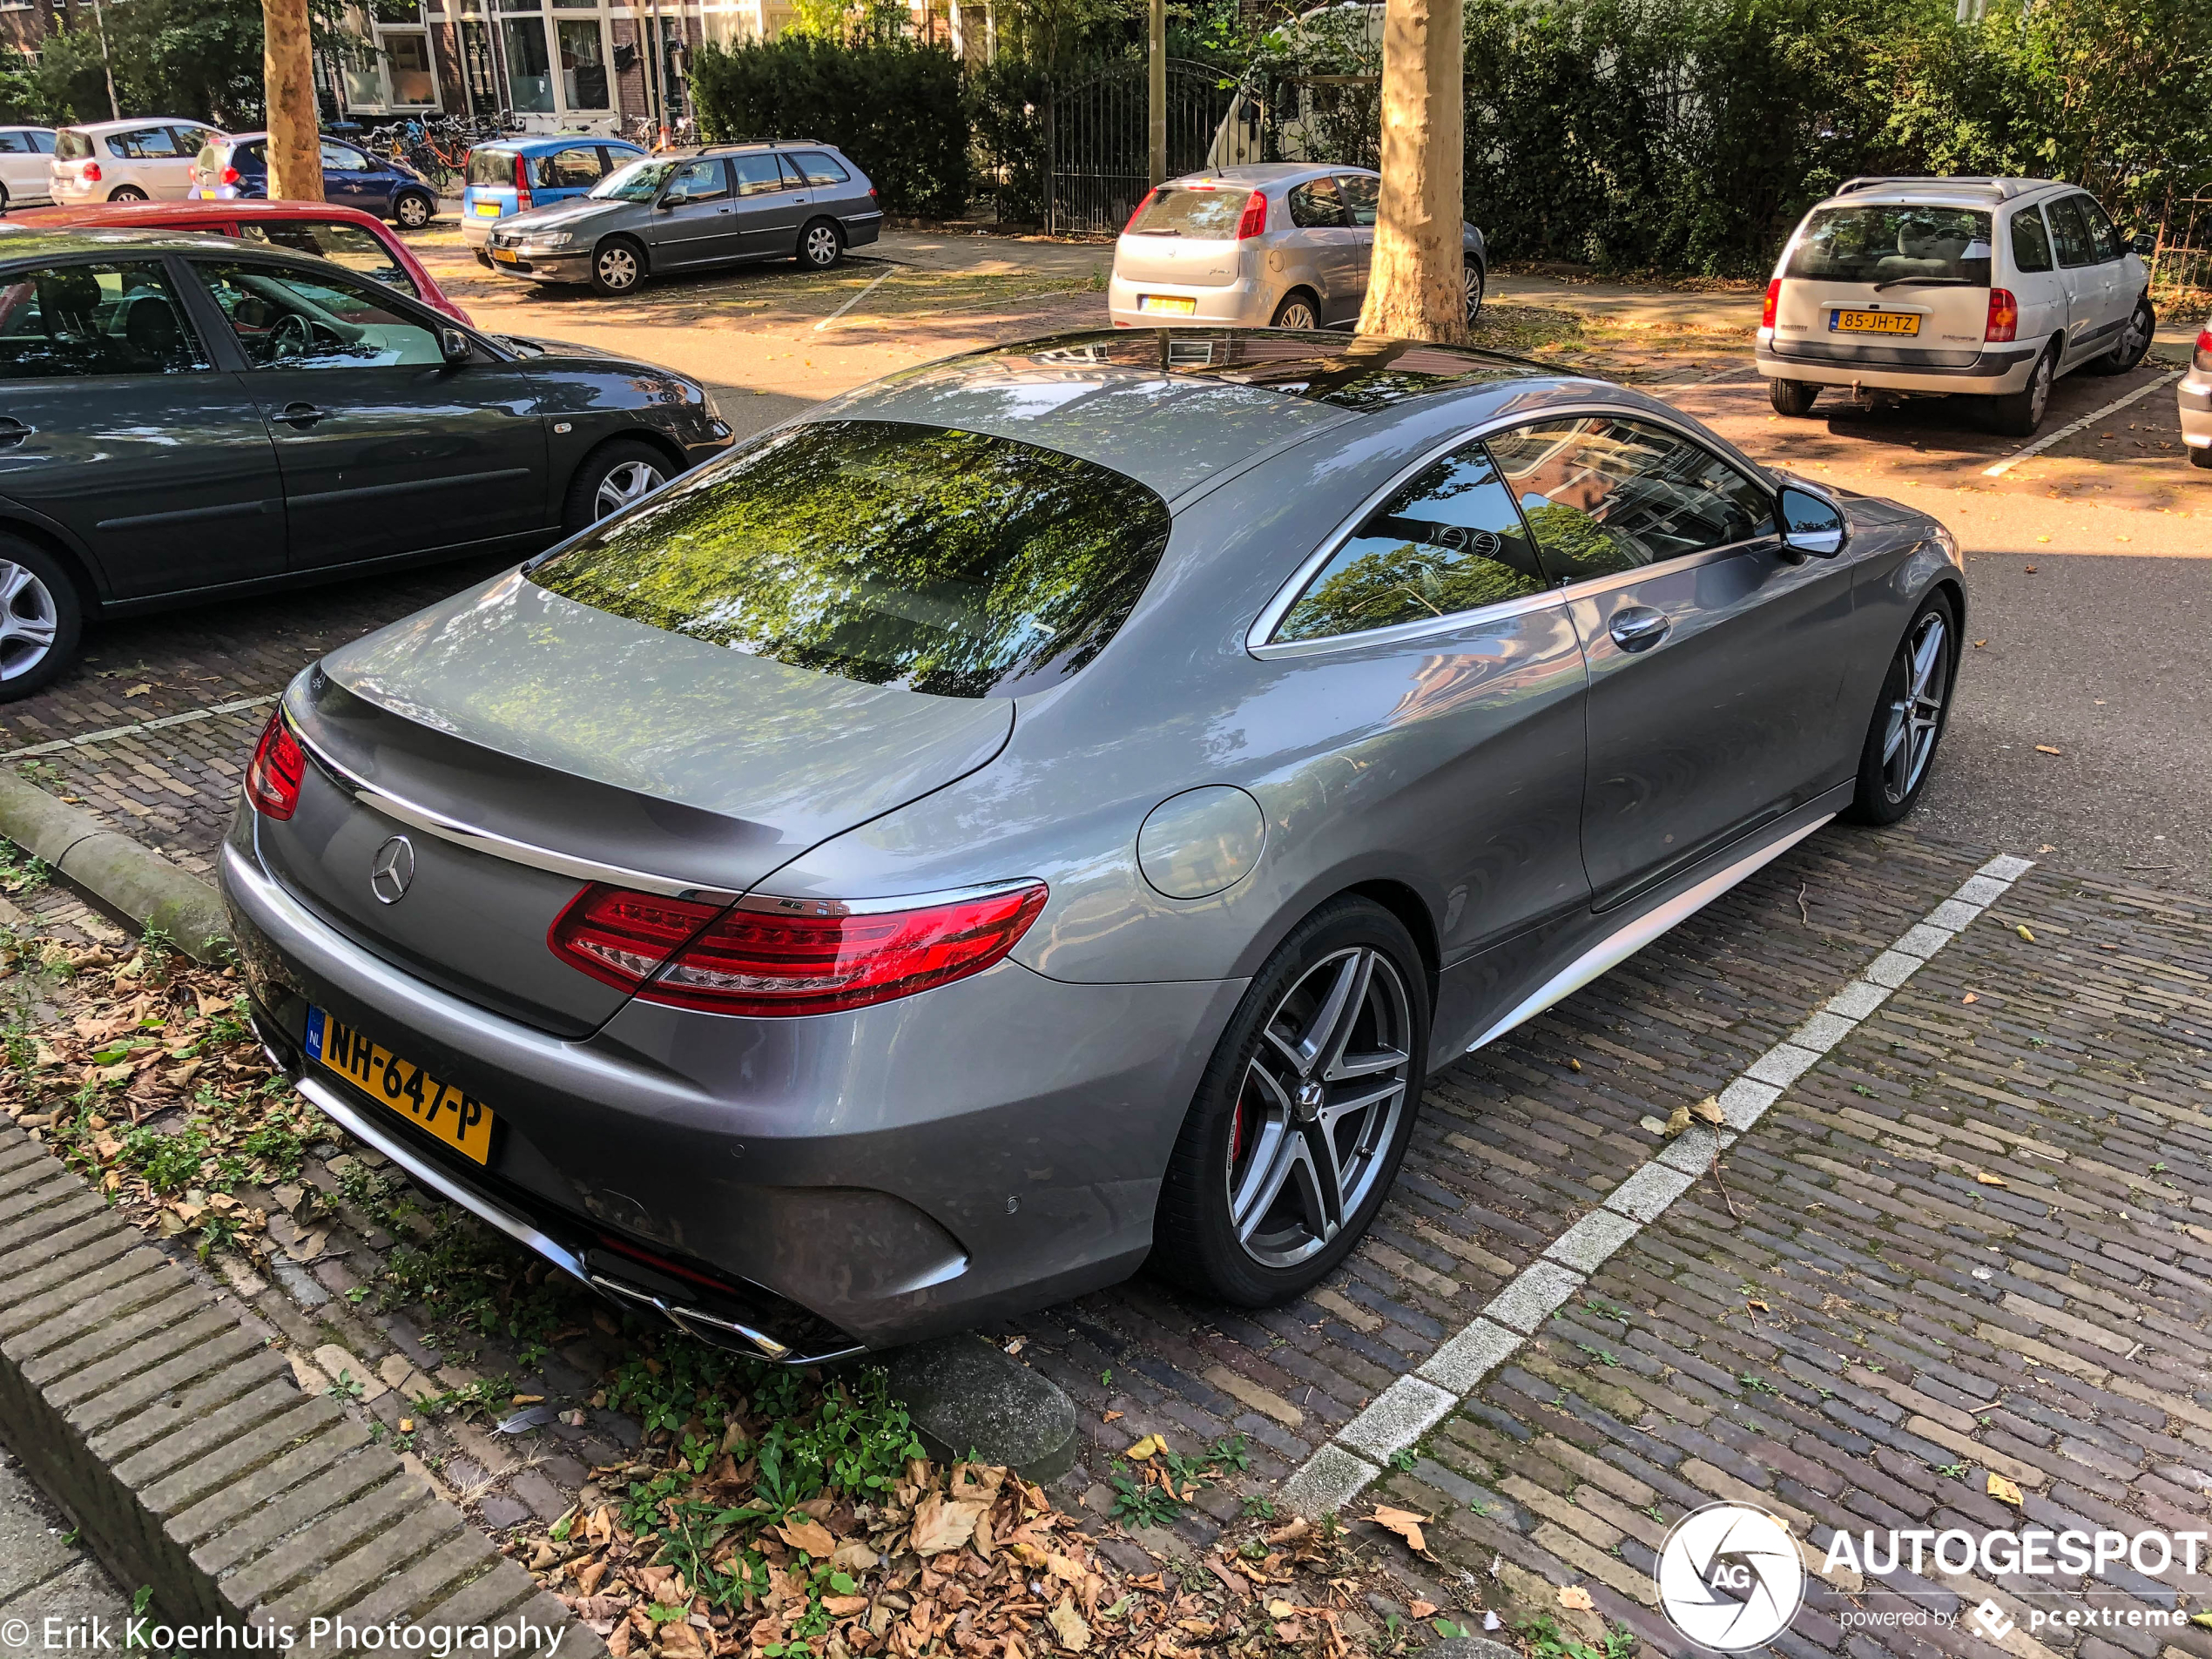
(392, 870)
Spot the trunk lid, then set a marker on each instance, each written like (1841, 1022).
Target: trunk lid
(549, 739)
(1900, 285)
(1184, 235)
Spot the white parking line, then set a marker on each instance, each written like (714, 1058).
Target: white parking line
(1415, 1404)
(855, 299)
(2068, 431)
(114, 732)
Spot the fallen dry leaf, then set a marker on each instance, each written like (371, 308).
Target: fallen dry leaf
(1989, 1180)
(1405, 1523)
(1575, 1597)
(940, 1524)
(2004, 1491)
(139, 690)
(2021, 929)
(1574, 1065)
(812, 1536)
(1150, 1445)
(1754, 1302)
(2046, 749)
(1068, 1625)
(1422, 1610)
(1677, 1122)
(1111, 1417)
(1970, 997)
(1709, 1109)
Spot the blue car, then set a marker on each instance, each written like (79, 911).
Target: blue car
(514, 175)
(237, 168)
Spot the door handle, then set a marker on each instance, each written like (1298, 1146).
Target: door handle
(12, 430)
(301, 415)
(1638, 629)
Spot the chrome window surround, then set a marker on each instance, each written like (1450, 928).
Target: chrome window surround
(1260, 643)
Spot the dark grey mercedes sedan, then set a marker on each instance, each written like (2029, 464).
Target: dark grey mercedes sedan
(185, 419)
(1051, 810)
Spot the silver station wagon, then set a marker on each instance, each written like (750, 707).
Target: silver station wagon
(1280, 245)
(724, 205)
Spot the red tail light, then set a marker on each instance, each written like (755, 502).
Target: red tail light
(230, 175)
(2203, 357)
(521, 184)
(1254, 223)
(272, 781)
(759, 962)
(1139, 213)
(2004, 315)
(91, 173)
(1773, 303)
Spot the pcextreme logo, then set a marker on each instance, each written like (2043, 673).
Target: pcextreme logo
(1729, 1577)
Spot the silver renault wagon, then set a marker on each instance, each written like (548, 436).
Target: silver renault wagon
(1275, 246)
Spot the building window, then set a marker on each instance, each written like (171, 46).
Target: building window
(584, 64)
(413, 82)
(530, 73)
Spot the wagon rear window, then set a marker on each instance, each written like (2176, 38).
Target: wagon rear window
(926, 557)
(1894, 244)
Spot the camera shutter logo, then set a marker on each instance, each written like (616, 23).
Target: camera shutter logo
(1729, 1577)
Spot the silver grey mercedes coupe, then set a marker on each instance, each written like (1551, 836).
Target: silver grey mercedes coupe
(1048, 810)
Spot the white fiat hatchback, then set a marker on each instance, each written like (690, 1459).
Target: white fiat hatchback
(1942, 287)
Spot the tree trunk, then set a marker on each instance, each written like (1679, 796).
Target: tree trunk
(288, 70)
(1156, 94)
(1415, 287)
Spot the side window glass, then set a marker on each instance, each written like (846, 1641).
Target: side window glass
(792, 177)
(337, 159)
(1447, 541)
(121, 319)
(1362, 195)
(2070, 233)
(43, 143)
(2102, 236)
(1605, 493)
(758, 175)
(573, 169)
(2031, 242)
(697, 181)
(819, 169)
(287, 318)
(13, 143)
(1315, 205)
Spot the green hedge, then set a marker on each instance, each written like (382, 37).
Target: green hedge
(898, 109)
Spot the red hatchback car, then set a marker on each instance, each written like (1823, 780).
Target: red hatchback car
(343, 235)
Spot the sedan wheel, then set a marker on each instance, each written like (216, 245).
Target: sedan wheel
(1472, 282)
(413, 210)
(126, 193)
(40, 618)
(1303, 1113)
(1909, 717)
(1296, 311)
(614, 268)
(625, 484)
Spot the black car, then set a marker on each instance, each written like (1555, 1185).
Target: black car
(185, 419)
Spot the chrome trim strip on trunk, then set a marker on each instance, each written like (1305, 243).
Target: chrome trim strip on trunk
(1617, 947)
(380, 799)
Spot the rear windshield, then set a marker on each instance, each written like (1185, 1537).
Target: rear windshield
(1878, 244)
(1202, 214)
(491, 166)
(920, 556)
(70, 144)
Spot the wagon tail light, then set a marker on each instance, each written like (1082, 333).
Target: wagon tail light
(279, 765)
(521, 184)
(1139, 213)
(2004, 315)
(1773, 302)
(1254, 223)
(2203, 356)
(91, 173)
(812, 959)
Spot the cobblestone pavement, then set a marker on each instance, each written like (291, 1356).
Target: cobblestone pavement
(50, 1585)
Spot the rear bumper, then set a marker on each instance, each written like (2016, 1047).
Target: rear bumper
(1999, 369)
(1244, 304)
(865, 1178)
(2195, 396)
(861, 229)
(474, 231)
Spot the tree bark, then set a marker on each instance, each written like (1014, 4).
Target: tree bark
(1415, 285)
(288, 71)
(1156, 93)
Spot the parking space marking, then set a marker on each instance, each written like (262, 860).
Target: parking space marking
(856, 299)
(1396, 1419)
(2069, 430)
(115, 731)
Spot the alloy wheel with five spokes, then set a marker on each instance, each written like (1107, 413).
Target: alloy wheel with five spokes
(623, 484)
(30, 620)
(1916, 712)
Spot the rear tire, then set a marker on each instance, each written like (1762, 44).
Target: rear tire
(611, 478)
(1238, 1218)
(1473, 283)
(2201, 456)
(126, 193)
(1297, 309)
(1792, 397)
(412, 210)
(617, 266)
(1910, 714)
(2135, 340)
(819, 245)
(41, 618)
(2017, 415)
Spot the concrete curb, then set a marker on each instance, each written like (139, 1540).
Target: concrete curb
(128, 877)
(964, 1391)
(144, 1405)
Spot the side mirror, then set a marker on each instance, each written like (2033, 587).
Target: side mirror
(668, 203)
(2144, 245)
(455, 346)
(1810, 523)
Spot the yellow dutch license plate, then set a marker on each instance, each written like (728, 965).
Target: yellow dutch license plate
(505, 255)
(463, 1122)
(1877, 322)
(1172, 304)
(487, 210)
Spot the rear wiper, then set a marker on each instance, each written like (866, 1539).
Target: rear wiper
(1927, 282)
(1170, 231)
